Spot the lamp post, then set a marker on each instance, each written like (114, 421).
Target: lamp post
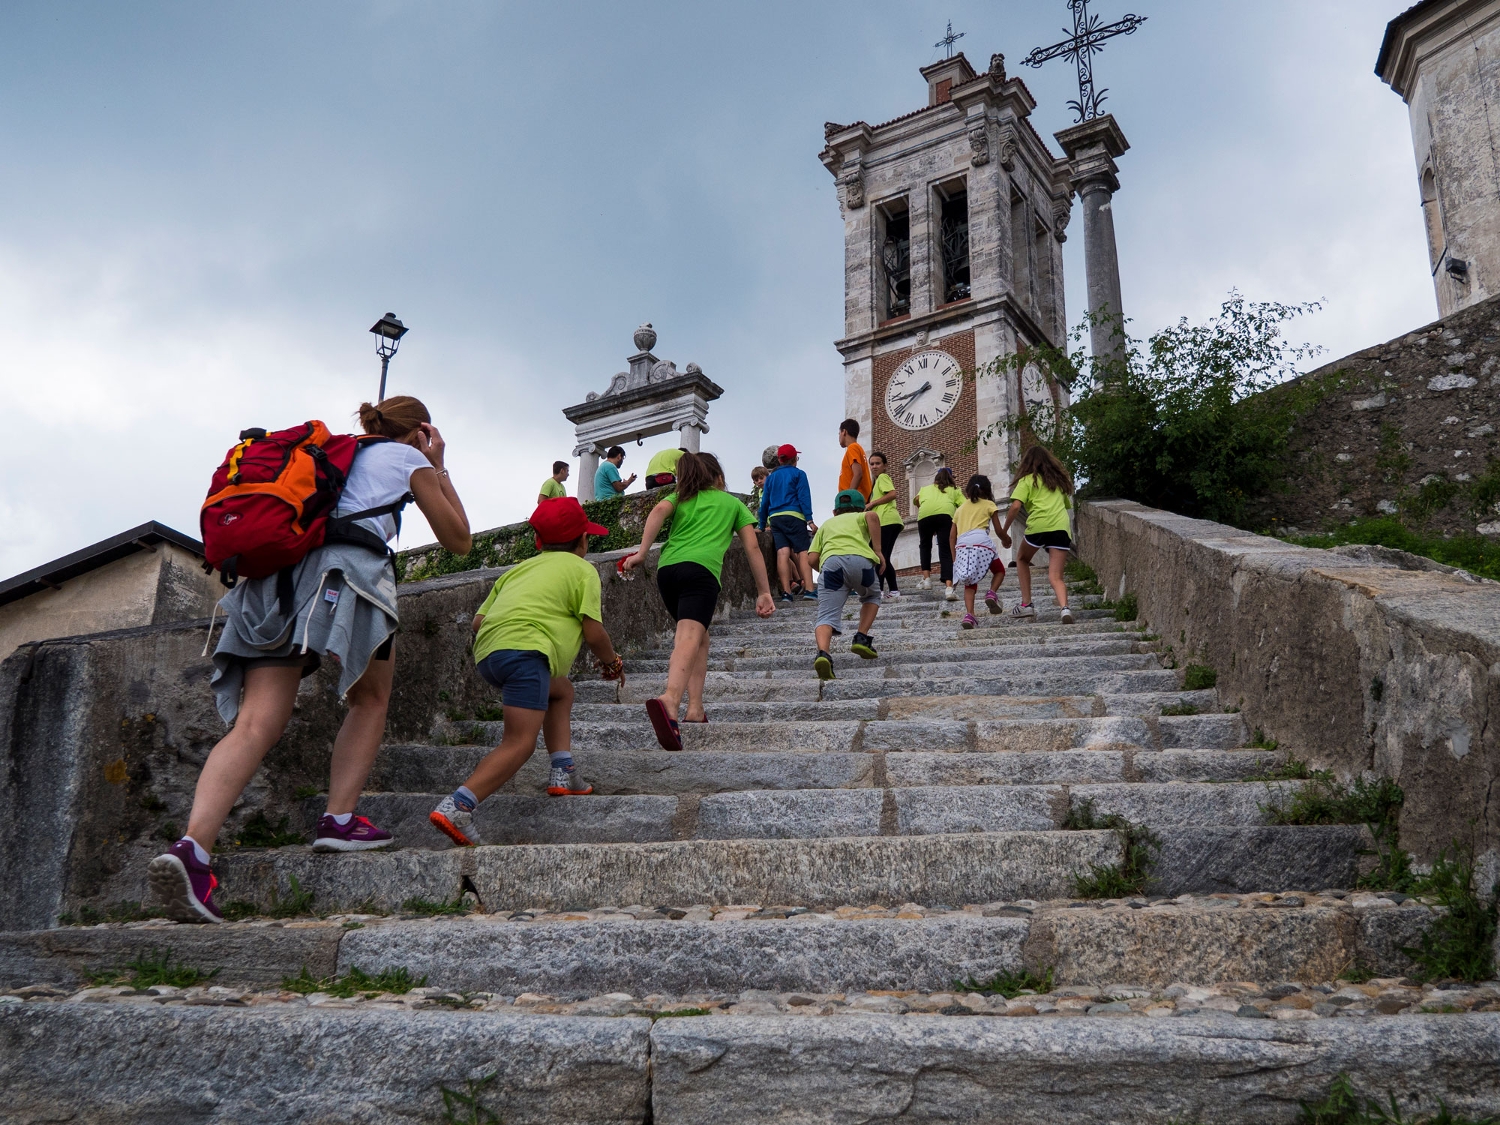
(390, 330)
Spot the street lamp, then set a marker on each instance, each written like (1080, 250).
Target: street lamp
(390, 330)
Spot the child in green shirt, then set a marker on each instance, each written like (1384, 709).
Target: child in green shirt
(1044, 491)
(526, 637)
(845, 550)
(552, 488)
(883, 503)
(705, 521)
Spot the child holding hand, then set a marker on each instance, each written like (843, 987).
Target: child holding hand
(526, 637)
(973, 553)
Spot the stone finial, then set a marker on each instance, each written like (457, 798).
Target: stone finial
(997, 66)
(692, 369)
(832, 127)
(645, 337)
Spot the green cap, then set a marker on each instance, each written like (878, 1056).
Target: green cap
(849, 500)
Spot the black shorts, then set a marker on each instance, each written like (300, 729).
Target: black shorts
(1052, 540)
(790, 531)
(689, 590)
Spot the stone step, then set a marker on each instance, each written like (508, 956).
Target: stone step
(754, 686)
(902, 655)
(1203, 732)
(800, 814)
(925, 869)
(936, 641)
(937, 624)
(700, 949)
(415, 768)
(458, 731)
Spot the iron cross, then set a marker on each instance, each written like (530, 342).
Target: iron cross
(949, 39)
(1086, 41)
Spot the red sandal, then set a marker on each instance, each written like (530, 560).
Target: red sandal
(667, 731)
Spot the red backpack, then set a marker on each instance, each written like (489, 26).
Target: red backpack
(270, 501)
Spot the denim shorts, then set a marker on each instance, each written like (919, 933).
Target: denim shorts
(524, 677)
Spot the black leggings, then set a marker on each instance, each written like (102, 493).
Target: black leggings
(888, 535)
(927, 527)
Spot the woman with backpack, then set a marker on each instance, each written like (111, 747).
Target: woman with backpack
(338, 600)
(705, 521)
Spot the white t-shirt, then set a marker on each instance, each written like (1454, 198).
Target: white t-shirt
(381, 474)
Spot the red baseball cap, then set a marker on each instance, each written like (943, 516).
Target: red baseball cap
(787, 451)
(561, 519)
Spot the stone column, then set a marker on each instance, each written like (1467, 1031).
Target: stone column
(690, 436)
(588, 465)
(1092, 148)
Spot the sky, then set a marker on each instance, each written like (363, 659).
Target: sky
(203, 208)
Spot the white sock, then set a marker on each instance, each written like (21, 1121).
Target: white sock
(197, 849)
(342, 818)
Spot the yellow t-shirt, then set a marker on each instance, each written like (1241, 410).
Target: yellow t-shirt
(888, 513)
(663, 462)
(972, 514)
(552, 488)
(539, 606)
(935, 501)
(846, 534)
(1046, 508)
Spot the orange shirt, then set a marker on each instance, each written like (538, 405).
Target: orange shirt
(854, 454)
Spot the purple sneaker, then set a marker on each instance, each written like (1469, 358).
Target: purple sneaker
(183, 885)
(359, 835)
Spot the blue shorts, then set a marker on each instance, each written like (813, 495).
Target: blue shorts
(523, 676)
(790, 531)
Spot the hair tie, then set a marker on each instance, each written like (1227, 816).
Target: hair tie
(379, 417)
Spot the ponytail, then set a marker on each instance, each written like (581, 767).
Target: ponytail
(978, 489)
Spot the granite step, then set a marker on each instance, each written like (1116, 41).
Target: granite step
(921, 654)
(925, 869)
(420, 768)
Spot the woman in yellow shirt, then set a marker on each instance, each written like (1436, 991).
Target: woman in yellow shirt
(936, 504)
(973, 553)
(883, 503)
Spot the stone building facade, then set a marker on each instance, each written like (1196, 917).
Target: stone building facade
(954, 218)
(1443, 58)
(1411, 426)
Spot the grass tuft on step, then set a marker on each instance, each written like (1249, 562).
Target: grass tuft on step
(1460, 942)
(151, 969)
(1197, 677)
(1293, 769)
(355, 982)
(430, 908)
(1128, 608)
(1139, 849)
(257, 832)
(114, 912)
(1008, 985)
(1344, 1106)
(467, 1108)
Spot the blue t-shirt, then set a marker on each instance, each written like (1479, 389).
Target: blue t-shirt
(604, 480)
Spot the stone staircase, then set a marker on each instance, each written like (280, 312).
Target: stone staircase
(850, 850)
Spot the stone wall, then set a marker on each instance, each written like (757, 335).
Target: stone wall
(102, 736)
(1408, 425)
(1356, 659)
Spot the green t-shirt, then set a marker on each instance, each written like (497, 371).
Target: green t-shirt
(935, 501)
(1046, 508)
(664, 462)
(847, 534)
(703, 529)
(539, 606)
(888, 513)
(551, 488)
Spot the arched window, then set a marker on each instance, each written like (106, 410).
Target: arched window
(1432, 215)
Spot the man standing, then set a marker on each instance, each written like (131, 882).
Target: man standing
(786, 508)
(855, 471)
(607, 481)
(552, 487)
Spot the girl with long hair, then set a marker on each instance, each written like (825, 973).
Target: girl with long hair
(974, 554)
(936, 504)
(1044, 491)
(705, 521)
(339, 601)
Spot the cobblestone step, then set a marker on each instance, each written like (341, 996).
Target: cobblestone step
(926, 869)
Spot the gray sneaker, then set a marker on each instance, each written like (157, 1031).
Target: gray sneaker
(1022, 610)
(455, 823)
(1067, 616)
(567, 783)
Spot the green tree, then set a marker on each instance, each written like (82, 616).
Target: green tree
(1178, 421)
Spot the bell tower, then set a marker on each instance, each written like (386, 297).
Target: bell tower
(954, 218)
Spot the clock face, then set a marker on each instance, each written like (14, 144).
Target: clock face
(924, 390)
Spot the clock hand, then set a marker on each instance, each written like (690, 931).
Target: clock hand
(918, 393)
